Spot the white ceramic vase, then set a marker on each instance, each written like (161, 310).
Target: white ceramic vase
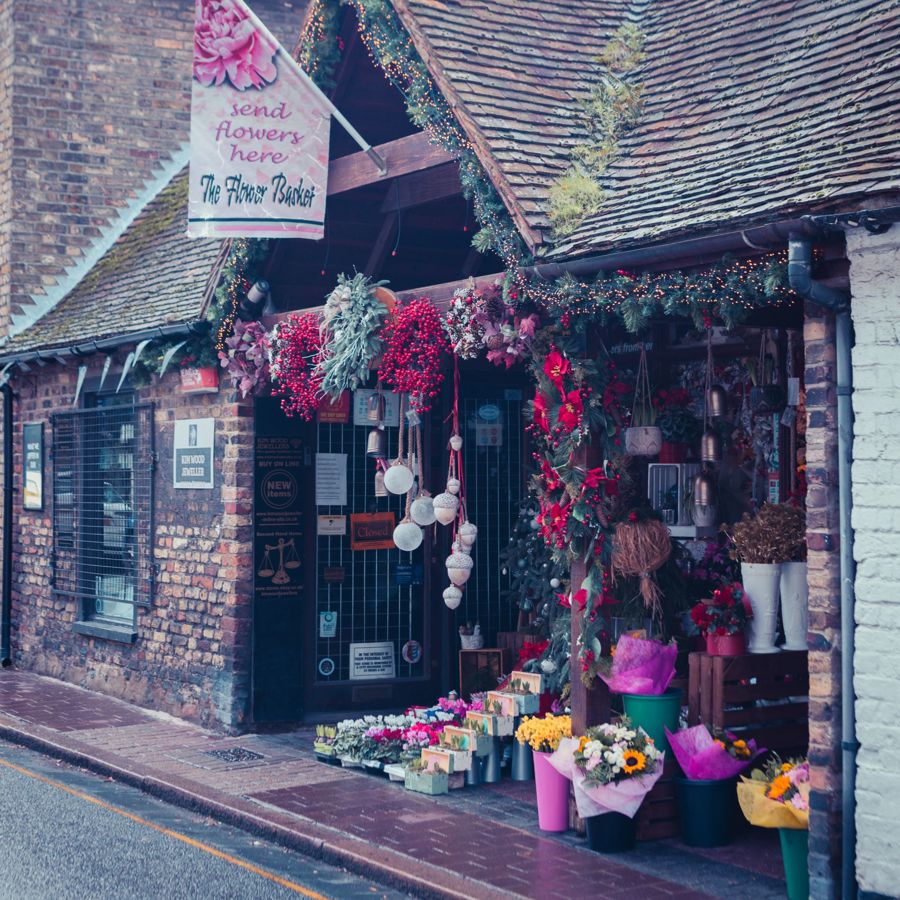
(761, 583)
(794, 605)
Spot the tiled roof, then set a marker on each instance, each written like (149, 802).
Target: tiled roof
(752, 109)
(153, 275)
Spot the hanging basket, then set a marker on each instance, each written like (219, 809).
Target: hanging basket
(645, 440)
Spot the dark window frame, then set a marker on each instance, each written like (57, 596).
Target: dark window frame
(86, 548)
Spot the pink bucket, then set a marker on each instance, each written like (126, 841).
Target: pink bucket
(552, 791)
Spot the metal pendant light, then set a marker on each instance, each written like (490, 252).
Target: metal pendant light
(717, 401)
(710, 447)
(376, 445)
(710, 443)
(375, 407)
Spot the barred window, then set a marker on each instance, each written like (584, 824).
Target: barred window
(103, 507)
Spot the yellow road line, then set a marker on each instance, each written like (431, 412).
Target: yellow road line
(199, 845)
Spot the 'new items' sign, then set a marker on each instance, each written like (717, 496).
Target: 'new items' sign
(259, 132)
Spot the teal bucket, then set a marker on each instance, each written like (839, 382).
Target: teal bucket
(795, 854)
(654, 713)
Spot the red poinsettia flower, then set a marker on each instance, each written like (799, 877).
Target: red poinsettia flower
(551, 479)
(594, 478)
(571, 410)
(556, 366)
(540, 412)
(581, 599)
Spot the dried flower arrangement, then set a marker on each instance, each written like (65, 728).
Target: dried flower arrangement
(777, 533)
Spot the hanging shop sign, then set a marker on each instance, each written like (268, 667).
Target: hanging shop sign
(33, 451)
(193, 453)
(361, 408)
(372, 661)
(259, 132)
(331, 479)
(372, 531)
(335, 526)
(328, 623)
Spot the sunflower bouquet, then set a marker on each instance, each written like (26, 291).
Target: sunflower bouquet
(613, 767)
(544, 734)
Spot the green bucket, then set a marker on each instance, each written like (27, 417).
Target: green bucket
(654, 713)
(795, 853)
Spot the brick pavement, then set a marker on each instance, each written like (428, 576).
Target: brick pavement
(472, 843)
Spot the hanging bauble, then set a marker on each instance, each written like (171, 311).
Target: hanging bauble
(554, 583)
(380, 489)
(445, 507)
(467, 534)
(459, 567)
(408, 536)
(422, 510)
(453, 485)
(452, 596)
(710, 447)
(376, 446)
(399, 478)
(455, 442)
(717, 401)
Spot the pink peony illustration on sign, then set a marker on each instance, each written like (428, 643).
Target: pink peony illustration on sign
(228, 44)
(259, 132)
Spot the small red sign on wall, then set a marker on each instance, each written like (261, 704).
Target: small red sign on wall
(335, 412)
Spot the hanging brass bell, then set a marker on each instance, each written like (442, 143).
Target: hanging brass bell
(375, 407)
(717, 401)
(380, 489)
(710, 447)
(704, 490)
(376, 446)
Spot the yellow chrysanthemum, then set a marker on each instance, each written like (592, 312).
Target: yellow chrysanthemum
(634, 761)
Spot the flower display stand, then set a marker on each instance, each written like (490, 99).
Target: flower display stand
(658, 816)
(763, 697)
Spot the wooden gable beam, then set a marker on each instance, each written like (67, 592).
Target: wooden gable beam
(413, 153)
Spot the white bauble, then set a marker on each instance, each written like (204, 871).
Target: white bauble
(459, 567)
(445, 507)
(398, 479)
(452, 596)
(422, 510)
(548, 666)
(554, 583)
(456, 442)
(453, 485)
(408, 536)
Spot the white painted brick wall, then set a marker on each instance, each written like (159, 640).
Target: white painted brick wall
(875, 282)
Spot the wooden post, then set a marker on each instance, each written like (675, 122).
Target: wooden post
(589, 707)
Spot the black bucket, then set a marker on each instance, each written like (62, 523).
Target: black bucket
(610, 833)
(708, 811)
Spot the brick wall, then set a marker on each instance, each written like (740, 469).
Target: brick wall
(824, 603)
(100, 98)
(875, 280)
(191, 657)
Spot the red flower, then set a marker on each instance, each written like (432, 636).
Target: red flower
(581, 599)
(556, 366)
(571, 410)
(594, 478)
(540, 412)
(551, 479)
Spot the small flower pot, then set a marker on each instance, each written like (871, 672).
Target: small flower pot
(654, 713)
(795, 855)
(761, 583)
(643, 440)
(794, 605)
(203, 380)
(552, 791)
(673, 452)
(708, 811)
(610, 833)
(726, 644)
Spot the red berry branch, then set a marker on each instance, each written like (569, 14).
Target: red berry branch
(297, 380)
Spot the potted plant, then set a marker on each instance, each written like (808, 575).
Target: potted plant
(679, 429)
(199, 369)
(711, 761)
(761, 543)
(551, 788)
(642, 437)
(777, 796)
(722, 620)
(793, 585)
(612, 767)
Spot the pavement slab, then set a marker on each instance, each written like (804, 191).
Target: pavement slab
(472, 843)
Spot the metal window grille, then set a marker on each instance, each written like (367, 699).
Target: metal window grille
(103, 464)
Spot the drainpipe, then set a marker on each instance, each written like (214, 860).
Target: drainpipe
(6, 598)
(801, 280)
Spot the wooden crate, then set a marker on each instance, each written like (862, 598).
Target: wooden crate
(481, 670)
(733, 692)
(658, 816)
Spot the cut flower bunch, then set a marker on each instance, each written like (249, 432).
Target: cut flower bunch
(544, 734)
(612, 752)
